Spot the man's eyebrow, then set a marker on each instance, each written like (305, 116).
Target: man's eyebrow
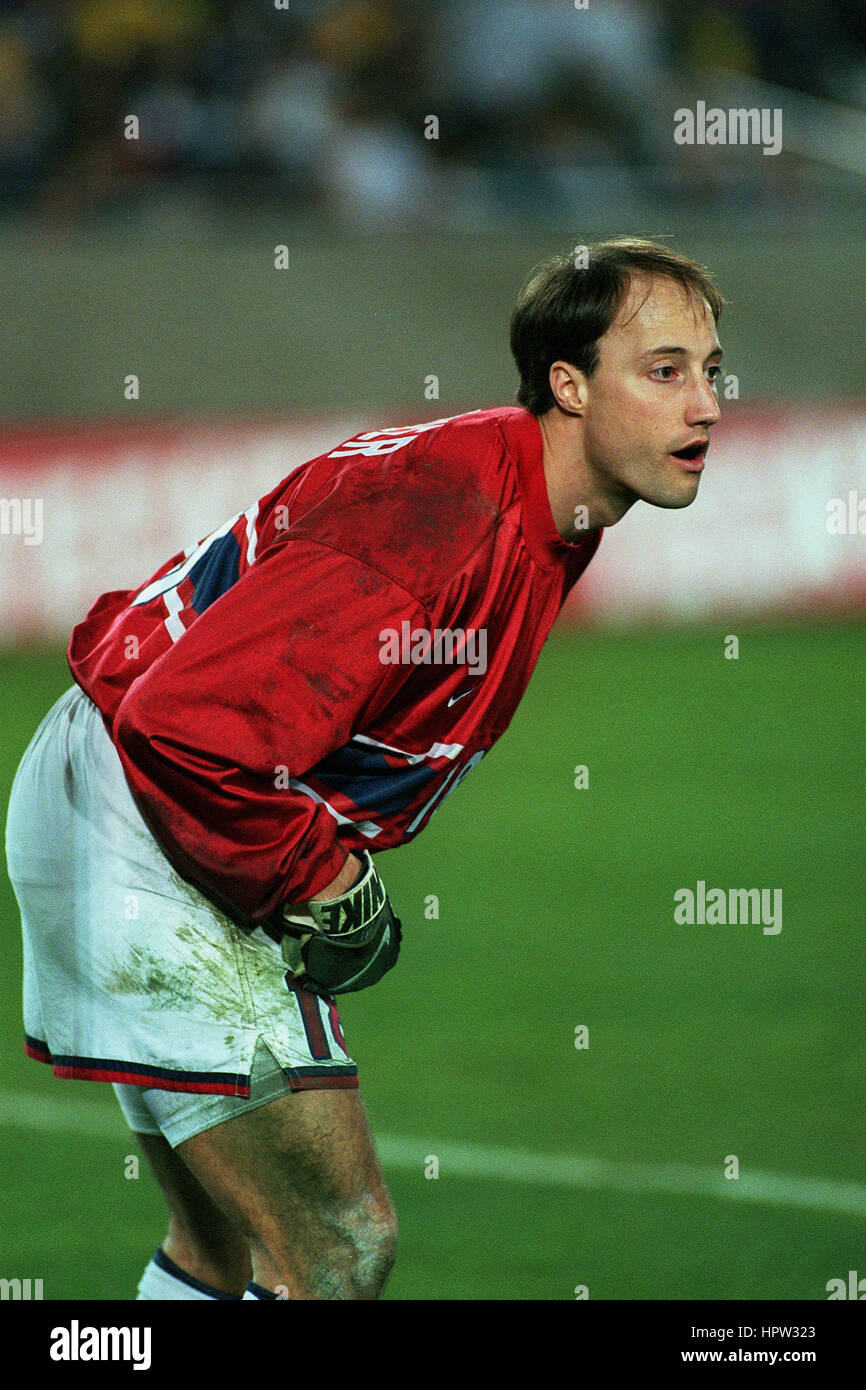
(670, 350)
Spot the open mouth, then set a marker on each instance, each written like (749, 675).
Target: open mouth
(692, 456)
(694, 451)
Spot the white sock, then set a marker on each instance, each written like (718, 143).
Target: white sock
(163, 1280)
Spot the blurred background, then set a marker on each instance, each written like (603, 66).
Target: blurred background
(316, 108)
(231, 235)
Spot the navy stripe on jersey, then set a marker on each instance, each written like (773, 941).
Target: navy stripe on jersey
(215, 573)
(366, 777)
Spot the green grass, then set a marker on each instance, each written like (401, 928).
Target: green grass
(556, 909)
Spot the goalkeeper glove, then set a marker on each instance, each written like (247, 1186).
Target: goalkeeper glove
(345, 943)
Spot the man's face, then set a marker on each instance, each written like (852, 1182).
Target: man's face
(653, 394)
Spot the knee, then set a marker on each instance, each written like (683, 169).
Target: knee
(374, 1241)
(359, 1249)
(345, 1250)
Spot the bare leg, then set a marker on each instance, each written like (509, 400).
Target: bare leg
(201, 1239)
(300, 1179)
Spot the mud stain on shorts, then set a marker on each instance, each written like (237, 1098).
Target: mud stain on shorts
(205, 967)
(200, 979)
(176, 988)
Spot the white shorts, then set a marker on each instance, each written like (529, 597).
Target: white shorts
(133, 976)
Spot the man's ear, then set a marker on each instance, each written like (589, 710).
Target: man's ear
(569, 387)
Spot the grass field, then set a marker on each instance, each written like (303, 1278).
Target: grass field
(556, 909)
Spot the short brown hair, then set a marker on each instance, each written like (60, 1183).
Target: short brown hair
(564, 309)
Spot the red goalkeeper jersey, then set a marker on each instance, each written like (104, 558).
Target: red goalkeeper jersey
(320, 672)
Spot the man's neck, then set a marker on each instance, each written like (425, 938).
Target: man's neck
(580, 500)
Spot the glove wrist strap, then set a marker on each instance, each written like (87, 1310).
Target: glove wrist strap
(348, 919)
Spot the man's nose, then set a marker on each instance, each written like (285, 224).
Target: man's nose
(704, 408)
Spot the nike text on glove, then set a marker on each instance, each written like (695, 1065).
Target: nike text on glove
(345, 943)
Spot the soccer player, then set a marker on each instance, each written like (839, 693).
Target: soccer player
(192, 830)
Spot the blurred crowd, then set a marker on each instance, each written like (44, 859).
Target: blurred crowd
(382, 112)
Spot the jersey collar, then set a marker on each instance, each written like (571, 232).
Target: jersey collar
(523, 440)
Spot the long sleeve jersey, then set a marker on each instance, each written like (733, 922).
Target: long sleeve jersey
(316, 675)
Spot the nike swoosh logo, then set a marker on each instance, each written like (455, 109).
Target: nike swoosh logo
(455, 698)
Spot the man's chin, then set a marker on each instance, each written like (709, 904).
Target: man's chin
(674, 498)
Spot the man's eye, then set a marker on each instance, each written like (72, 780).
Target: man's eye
(714, 372)
(656, 371)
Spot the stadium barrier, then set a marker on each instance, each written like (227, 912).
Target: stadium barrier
(779, 524)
